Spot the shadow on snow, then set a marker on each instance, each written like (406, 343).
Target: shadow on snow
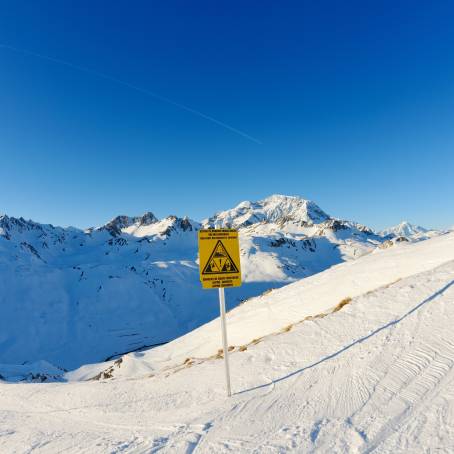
(358, 341)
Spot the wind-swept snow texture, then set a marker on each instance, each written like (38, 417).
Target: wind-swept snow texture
(376, 375)
(70, 297)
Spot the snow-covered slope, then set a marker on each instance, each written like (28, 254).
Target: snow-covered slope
(279, 308)
(376, 375)
(70, 297)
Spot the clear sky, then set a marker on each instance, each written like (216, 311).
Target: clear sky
(347, 103)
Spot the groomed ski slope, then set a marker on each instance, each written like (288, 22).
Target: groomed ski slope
(375, 376)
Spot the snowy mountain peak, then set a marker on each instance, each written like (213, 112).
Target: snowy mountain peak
(405, 228)
(274, 209)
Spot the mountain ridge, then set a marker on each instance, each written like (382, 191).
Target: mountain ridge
(276, 208)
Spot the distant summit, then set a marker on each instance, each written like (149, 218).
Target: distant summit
(277, 209)
(404, 229)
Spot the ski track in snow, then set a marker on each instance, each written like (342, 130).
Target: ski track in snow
(377, 376)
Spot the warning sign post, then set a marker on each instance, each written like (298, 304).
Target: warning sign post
(219, 261)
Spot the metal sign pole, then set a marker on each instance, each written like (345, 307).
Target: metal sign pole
(225, 345)
(224, 340)
(219, 264)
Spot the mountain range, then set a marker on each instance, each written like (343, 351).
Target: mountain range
(72, 296)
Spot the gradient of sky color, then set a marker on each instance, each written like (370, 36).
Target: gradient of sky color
(352, 104)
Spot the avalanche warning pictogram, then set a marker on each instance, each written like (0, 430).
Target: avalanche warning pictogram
(220, 261)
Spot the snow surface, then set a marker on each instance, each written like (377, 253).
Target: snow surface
(376, 375)
(279, 308)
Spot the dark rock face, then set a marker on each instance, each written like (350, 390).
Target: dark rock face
(278, 243)
(116, 224)
(20, 224)
(309, 244)
(30, 248)
(182, 224)
(335, 225)
(185, 224)
(5, 235)
(282, 242)
(148, 218)
(117, 242)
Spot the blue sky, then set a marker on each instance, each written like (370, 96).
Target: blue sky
(352, 104)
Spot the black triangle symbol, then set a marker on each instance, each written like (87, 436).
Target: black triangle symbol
(220, 261)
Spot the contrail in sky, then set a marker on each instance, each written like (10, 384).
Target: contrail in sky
(133, 87)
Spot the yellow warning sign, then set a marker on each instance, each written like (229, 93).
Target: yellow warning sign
(219, 255)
